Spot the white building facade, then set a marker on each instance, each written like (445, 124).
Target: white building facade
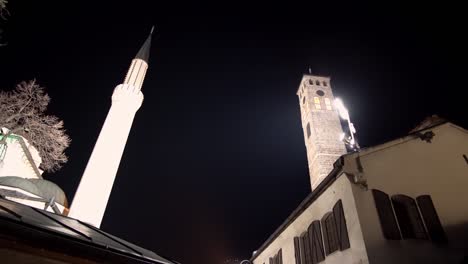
(21, 178)
(398, 202)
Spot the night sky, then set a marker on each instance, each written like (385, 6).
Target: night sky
(215, 160)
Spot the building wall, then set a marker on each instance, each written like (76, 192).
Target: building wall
(414, 167)
(340, 189)
(14, 161)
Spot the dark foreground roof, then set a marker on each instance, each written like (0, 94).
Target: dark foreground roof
(41, 234)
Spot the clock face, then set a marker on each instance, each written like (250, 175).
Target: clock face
(320, 93)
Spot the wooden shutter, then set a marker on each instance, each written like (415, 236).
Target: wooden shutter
(316, 243)
(341, 229)
(386, 216)
(329, 233)
(332, 234)
(325, 236)
(308, 256)
(297, 250)
(431, 219)
(407, 213)
(302, 251)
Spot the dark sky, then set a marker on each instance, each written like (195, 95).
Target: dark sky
(216, 160)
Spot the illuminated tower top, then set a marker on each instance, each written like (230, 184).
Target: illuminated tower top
(137, 71)
(321, 126)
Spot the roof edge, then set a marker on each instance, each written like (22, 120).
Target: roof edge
(327, 181)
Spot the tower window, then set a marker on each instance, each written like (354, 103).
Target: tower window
(317, 103)
(303, 100)
(324, 83)
(328, 104)
(320, 93)
(311, 82)
(317, 82)
(308, 130)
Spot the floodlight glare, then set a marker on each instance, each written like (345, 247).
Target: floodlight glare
(342, 135)
(341, 109)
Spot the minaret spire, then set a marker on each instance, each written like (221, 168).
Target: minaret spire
(136, 72)
(144, 52)
(90, 201)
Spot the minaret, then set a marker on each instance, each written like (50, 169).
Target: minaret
(90, 201)
(321, 125)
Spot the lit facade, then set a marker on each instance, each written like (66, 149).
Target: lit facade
(398, 202)
(92, 195)
(321, 126)
(21, 178)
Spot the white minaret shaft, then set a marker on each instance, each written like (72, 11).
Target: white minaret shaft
(92, 195)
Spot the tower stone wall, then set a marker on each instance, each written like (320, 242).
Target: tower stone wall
(321, 126)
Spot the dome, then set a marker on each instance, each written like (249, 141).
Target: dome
(49, 190)
(20, 183)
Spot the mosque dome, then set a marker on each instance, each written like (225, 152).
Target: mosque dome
(20, 183)
(49, 190)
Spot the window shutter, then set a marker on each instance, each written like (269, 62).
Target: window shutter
(302, 251)
(308, 256)
(341, 228)
(407, 213)
(316, 243)
(386, 215)
(332, 234)
(326, 242)
(297, 251)
(329, 233)
(429, 214)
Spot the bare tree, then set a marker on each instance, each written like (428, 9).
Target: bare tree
(22, 111)
(3, 13)
(3, 9)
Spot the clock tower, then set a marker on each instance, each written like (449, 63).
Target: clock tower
(321, 126)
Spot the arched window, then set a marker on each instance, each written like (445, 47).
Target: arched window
(386, 216)
(328, 104)
(317, 103)
(316, 243)
(431, 219)
(341, 228)
(330, 236)
(407, 213)
(311, 82)
(317, 82)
